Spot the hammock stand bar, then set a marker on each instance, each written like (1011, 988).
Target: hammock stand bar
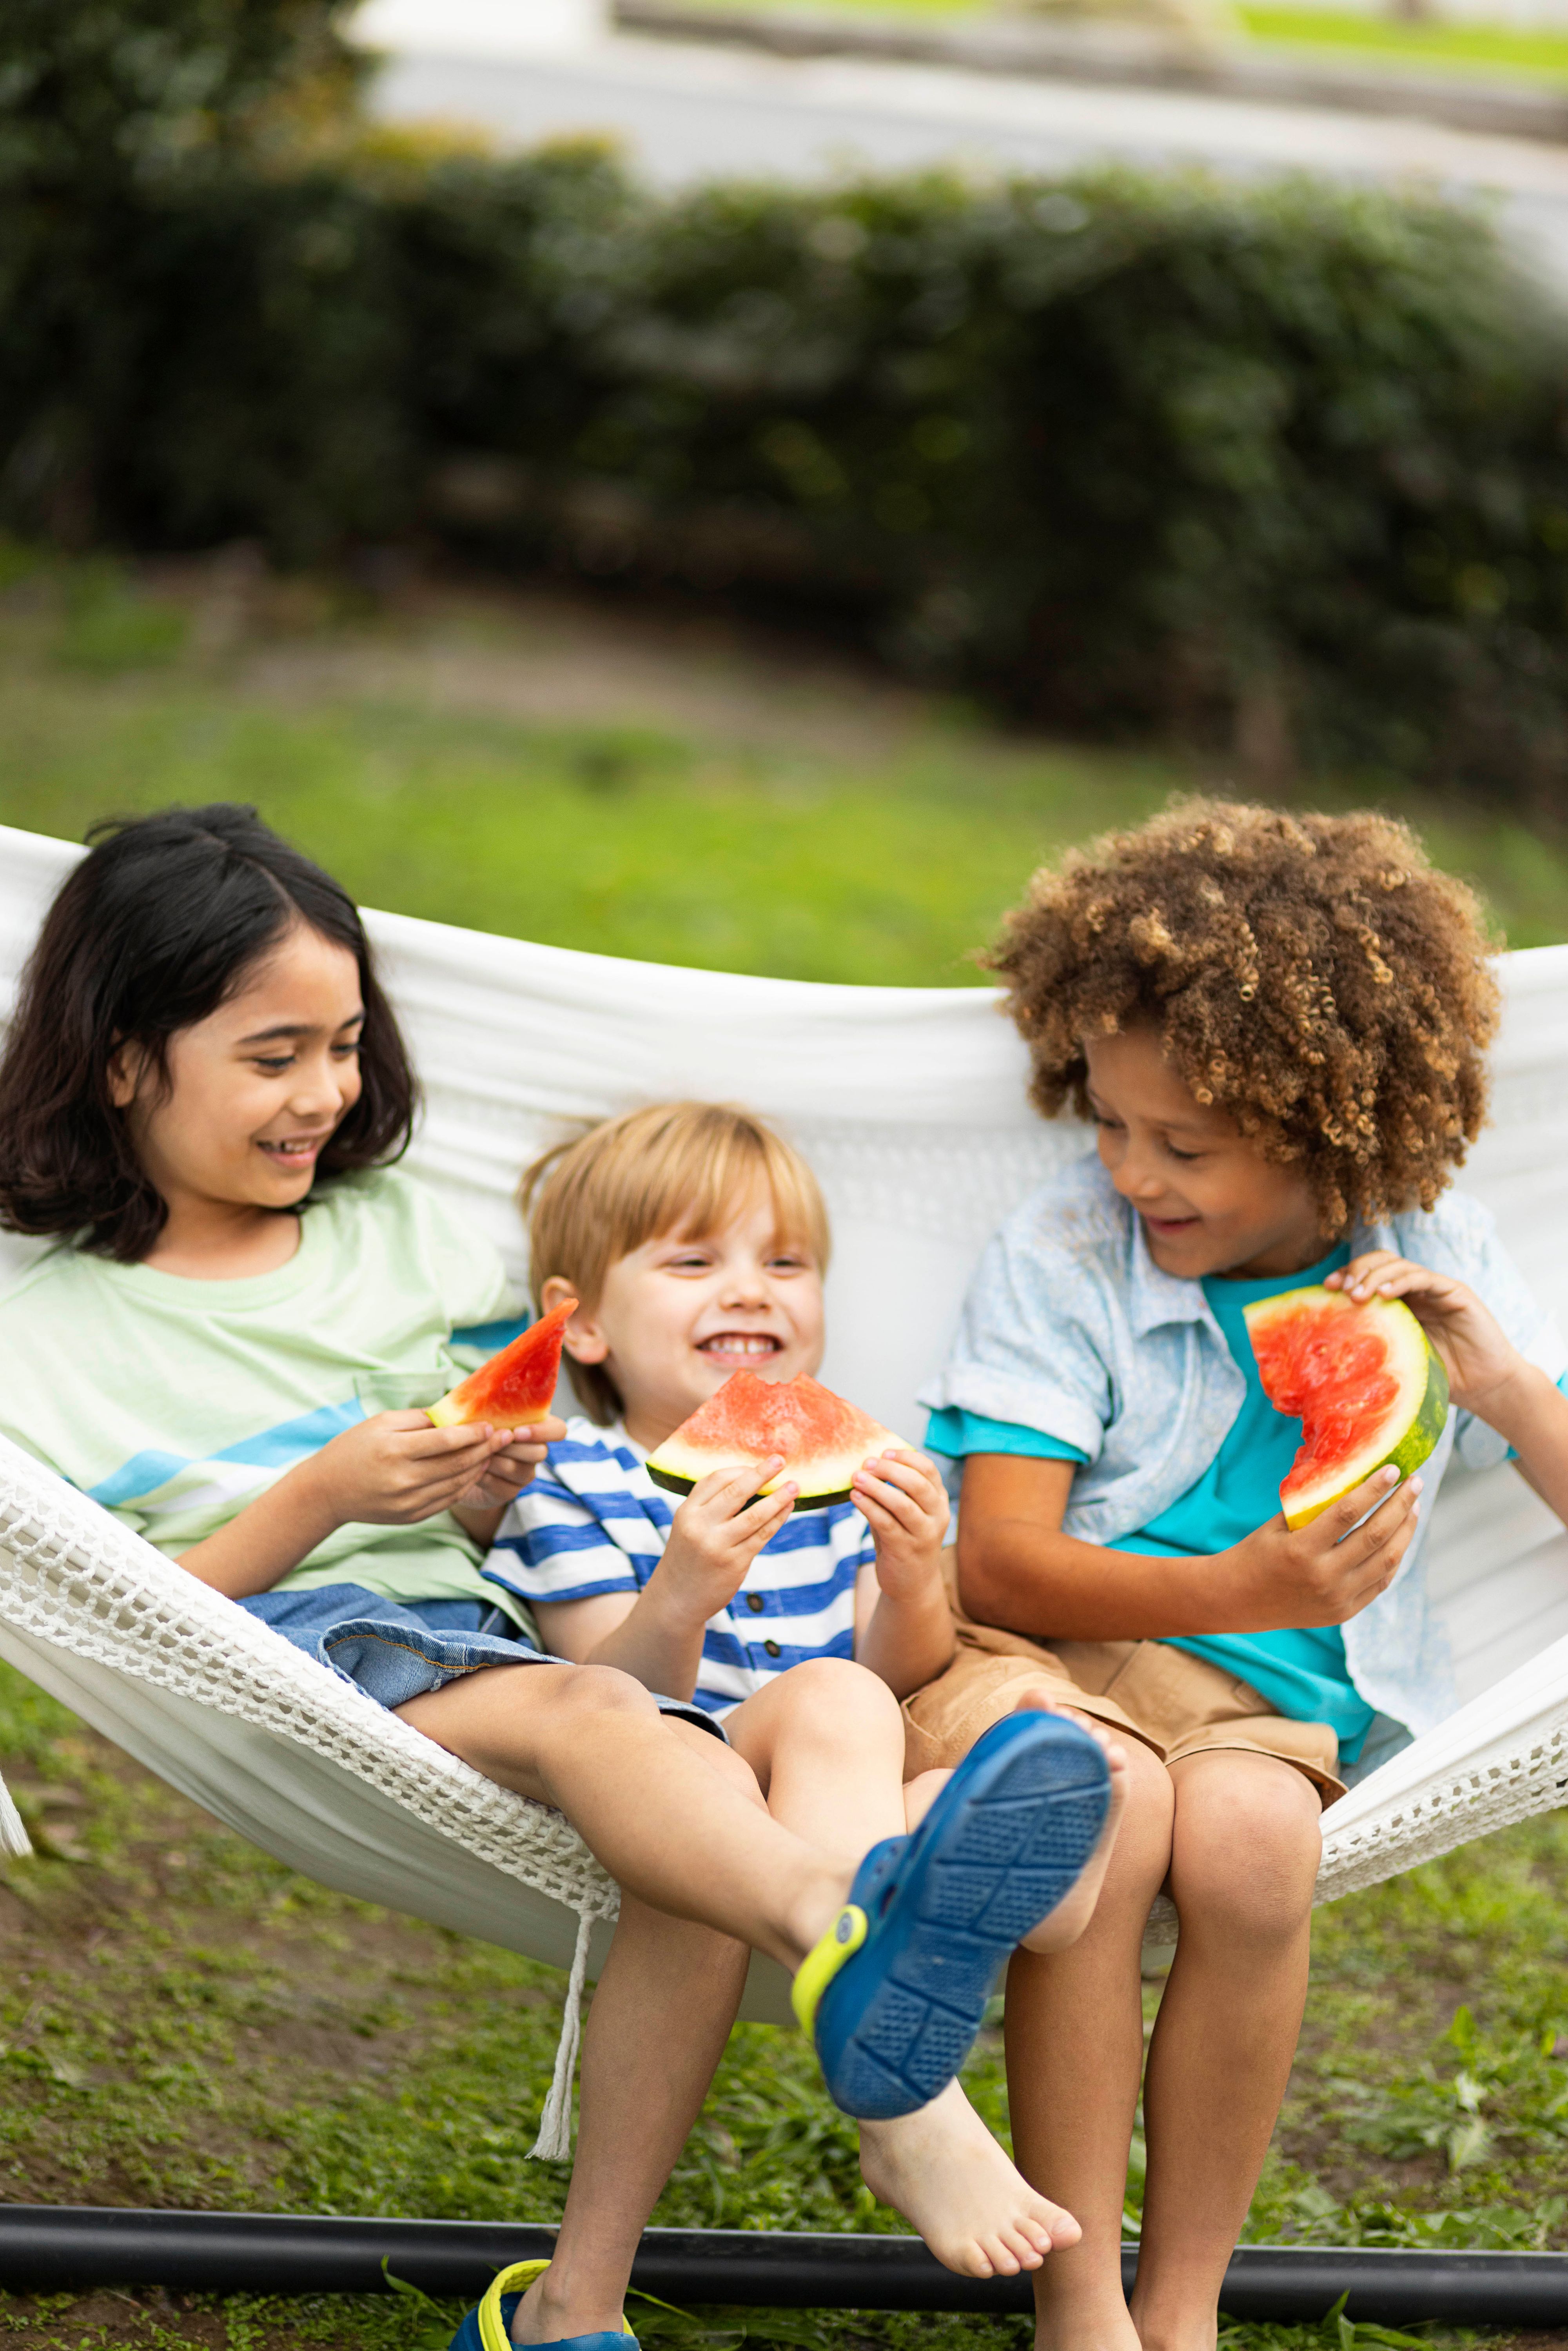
(53, 2248)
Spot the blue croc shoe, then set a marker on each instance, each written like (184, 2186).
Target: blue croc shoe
(896, 1989)
(488, 2326)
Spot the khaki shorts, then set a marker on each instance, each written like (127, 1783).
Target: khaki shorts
(1175, 1703)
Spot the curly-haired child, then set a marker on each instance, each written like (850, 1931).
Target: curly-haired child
(1278, 1026)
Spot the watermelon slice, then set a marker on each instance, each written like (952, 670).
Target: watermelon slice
(1364, 1381)
(515, 1388)
(821, 1439)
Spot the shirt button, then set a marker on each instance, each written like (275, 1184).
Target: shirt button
(754, 1603)
(773, 1649)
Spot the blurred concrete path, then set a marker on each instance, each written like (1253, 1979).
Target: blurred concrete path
(683, 111)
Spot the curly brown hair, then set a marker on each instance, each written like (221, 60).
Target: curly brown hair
(1313, 976)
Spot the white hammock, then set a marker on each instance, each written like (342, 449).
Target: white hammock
(910, 1104)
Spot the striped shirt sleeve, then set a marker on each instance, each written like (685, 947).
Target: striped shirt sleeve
(577, 1531)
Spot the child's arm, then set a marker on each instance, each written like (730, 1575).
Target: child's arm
(1487, 1373)
(906, 1635)
(1017, 1569)
(394, 1470)
(656, 1635)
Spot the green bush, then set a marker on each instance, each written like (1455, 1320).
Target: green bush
(1288, 460)
(1284, 465)
(94, 93)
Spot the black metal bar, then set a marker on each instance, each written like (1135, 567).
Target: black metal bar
(51, 2248)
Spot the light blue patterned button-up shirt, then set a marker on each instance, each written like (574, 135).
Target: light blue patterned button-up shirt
(1070, 1328)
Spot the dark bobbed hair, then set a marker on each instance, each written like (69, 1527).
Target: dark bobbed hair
(156, 927)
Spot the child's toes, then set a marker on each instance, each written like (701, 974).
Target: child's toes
(1018, 2251)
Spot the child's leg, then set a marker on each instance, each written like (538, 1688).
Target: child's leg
(826, 1741)
(1073, 1913)
(1244, 1858)
(1075, 2049)
(669, 1811)
(1243, 1846)
(660, 2017)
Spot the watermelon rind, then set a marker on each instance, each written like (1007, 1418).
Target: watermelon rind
(1401, 1436)
(696, 1450)
(674, 1482)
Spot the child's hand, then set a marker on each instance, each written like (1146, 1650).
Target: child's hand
(901, 1497)
(1328, 1570)
(715, 1536)
(1482, 1363)
(503, 1474)
(397, 1469)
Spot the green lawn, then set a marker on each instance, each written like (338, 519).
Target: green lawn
(1494, 49)
(1368, 36)
(886, 858)
(185, 2022)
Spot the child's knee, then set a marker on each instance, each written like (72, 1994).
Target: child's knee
(839, 1698)
(1150, 1799)
(594, 1690)
(1246, 1844)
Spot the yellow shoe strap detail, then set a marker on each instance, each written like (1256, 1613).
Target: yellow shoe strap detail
(821, 1964)
(493, 2332)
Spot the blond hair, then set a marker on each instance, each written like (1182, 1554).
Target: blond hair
(674, 1168)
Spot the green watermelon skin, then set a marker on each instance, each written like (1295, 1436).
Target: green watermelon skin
(821, 1437)
(1296, 1338)
(673, 1483)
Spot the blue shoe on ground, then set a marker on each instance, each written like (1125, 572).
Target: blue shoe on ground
(896, 1989)
(488, 2326)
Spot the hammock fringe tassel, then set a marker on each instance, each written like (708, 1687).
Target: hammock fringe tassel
(553, 2144)
(14, 1841)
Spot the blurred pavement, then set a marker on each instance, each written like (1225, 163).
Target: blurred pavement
(686, 110)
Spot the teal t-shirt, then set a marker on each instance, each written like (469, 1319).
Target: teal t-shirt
(954, 1433)
(1301, 1673)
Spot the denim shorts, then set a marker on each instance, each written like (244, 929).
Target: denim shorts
(398, 1649)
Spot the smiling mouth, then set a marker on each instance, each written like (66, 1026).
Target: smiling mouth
(754, 1345)
(296, 1151)
(1171, 1224)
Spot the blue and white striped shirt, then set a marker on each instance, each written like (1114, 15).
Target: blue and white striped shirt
(593, 1521)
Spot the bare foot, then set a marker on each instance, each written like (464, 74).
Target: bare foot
(943, 2170)
(1063, 1925)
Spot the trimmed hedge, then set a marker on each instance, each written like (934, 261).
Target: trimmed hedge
(1285, 463)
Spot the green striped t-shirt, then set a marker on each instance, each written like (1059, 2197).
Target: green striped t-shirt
(174, 1403)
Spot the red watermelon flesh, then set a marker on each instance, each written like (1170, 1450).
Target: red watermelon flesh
(821, 1439)
(1364, 1382)
(515, 1388)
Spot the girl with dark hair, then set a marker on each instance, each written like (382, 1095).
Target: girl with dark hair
(229, 1347)
(146, 940)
